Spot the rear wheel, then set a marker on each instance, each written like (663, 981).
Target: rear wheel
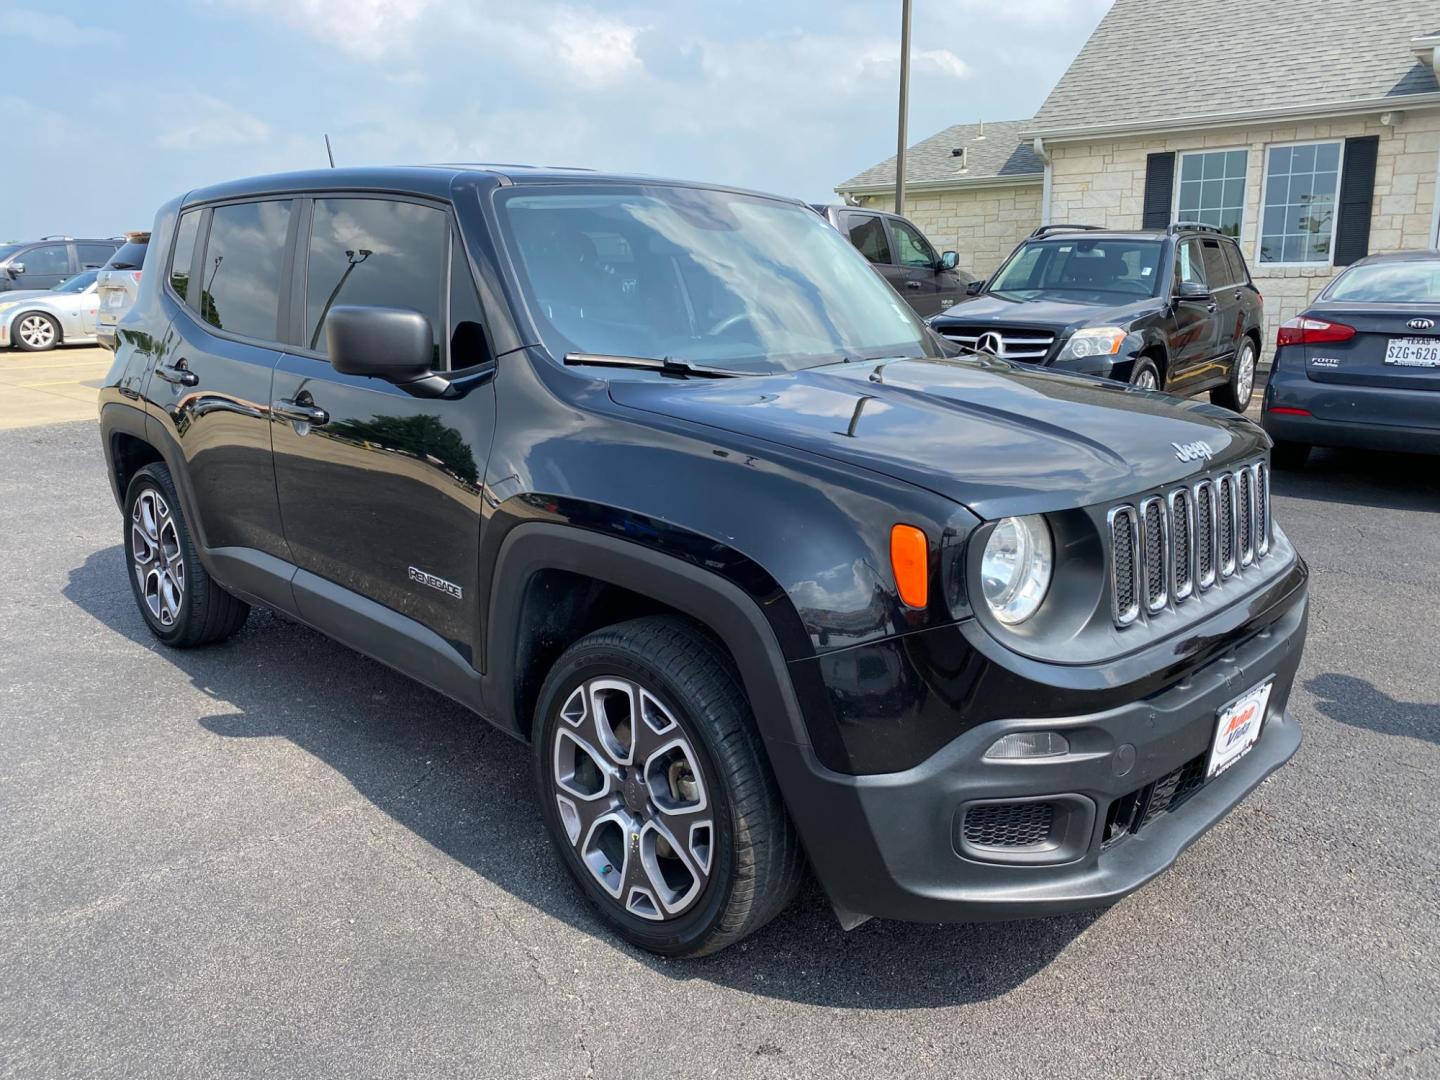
(656, 790)
(1238, 391)
(1289, 455)
(35, 332)
(1145, 375)
(179, 601)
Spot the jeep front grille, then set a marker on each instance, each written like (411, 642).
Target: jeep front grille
(1168, 547)
(1016, 343)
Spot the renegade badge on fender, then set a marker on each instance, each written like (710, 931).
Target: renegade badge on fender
(664, 480)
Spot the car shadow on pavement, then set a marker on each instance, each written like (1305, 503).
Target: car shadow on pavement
(1354, 701)
(441, 772)
(1364, 478)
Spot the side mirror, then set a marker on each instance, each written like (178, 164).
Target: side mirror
(974, 288)
(949, 260)
(1192, 291)
(16, 269)
(394, 344)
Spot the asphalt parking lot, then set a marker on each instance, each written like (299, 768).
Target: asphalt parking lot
(276, 858)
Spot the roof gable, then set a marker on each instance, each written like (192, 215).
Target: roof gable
(1154, 61)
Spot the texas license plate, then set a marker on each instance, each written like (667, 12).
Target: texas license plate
(1238, 728)
(1413, 352)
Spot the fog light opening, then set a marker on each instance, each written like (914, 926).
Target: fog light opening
(1025, 745)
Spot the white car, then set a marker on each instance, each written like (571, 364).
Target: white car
(40, 320)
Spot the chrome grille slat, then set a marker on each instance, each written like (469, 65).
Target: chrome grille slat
(1178, 543)
(1019, 343)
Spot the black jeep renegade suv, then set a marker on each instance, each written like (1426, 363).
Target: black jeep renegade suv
(1170, 309)
(663, 479)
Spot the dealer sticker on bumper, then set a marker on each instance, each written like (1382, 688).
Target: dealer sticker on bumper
(1238, 728)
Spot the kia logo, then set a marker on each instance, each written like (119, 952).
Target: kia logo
(1193, 451)
(991, 343)
(1421, 324)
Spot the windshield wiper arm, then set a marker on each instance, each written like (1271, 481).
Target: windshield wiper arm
(663, 364)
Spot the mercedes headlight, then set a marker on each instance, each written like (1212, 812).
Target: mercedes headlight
(1016, 568)
(1094, 341)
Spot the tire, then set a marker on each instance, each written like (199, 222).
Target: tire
(1145, 375)
(180, 603)
(1289, 455)
(34, 331)
(739, 864)
(1236, 394)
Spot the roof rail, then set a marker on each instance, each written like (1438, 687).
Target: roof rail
(1046, 230)
(1193, 226)
(57, 236)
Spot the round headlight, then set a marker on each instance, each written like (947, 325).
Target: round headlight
(1016, 566)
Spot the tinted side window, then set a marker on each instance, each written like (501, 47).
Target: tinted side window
(867, 232)
(1239, 275)
(1188, 263)
(1217, 271)
(50, 259)
(240, 291)
(184, 256)
(375, 252)
(94, 256)
(467, 322)
(911, 248)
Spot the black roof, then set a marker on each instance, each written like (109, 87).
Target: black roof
(435, 180)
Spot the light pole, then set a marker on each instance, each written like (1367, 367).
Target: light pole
(904, 105)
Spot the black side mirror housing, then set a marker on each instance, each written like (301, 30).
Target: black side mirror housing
(949, 260)
(974, 288)
(1192, 291)
(395, 344)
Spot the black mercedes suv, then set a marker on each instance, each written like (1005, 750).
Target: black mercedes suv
(662, 479)
(1170, 309)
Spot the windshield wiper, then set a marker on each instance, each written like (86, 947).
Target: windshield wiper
(664, 365)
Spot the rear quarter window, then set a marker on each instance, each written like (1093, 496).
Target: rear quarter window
(1239, 273)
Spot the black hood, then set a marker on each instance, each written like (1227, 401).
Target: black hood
(998, 438)
(1054, 311)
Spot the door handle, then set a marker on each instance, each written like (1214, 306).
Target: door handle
(912, 284)
(299, 413)
(178, 374)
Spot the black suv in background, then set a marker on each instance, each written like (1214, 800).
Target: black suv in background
(928, 282)
(1170, 309)
(662, 479)
(43, 264)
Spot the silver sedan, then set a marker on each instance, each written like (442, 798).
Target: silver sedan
(38, 320)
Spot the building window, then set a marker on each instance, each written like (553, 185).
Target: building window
(1298, 215)
(1212, 189)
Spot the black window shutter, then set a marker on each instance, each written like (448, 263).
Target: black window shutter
(1357, 193)
(1159, 190)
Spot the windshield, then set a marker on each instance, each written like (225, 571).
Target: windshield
(1408, 282)
(715, 278)
(1081, 269)
(78, 283)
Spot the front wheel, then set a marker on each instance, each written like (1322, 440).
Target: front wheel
(35, 332)
(1145, 375)
(1240, 388)
(656, 790)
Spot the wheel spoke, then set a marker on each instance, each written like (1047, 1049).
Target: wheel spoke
(612, 705)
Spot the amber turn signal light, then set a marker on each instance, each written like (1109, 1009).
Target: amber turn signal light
(909, 559)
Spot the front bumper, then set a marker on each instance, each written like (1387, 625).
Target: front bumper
(891, 844)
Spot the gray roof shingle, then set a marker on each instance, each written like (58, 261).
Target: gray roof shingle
(1155, 61)
(998, 153)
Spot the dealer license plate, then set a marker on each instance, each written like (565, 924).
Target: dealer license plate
(114, 297)
(1413, 352)
(1238, 728)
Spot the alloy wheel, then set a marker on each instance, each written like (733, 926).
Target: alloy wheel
(1145, 380)
(632, 797)
(36, 331)
(1245, 374)
(156, 557)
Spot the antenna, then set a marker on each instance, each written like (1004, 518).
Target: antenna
(328, 152)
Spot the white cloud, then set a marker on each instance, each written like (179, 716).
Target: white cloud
(596, 50)
(50, 29)
(943, 60)
(368, 29)
(212, 122)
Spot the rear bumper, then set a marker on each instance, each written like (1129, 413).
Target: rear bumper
(105, 336)
(892, 844)
(1313, 431)
(1292, 389)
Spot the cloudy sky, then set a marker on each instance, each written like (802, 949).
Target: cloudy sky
(108, 110)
